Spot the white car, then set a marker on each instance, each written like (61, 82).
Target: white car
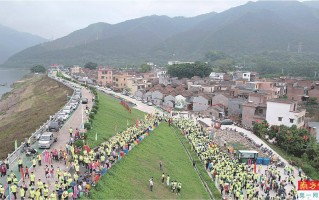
(139, 98)
(67, 109)
(149, 103)
(63, 116)
(74, 105)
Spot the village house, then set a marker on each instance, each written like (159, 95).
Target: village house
(285, 112)
(76, 69)
(104, 76)
(120, 81)
(254, 110)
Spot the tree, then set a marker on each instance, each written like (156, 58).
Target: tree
(38, 69)
(90, 65)
(189, 70)
(144, 68)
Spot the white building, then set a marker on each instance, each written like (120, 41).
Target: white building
(217, 76)
(246, 75)
(176, 62)
(161, 74)
(284, 112)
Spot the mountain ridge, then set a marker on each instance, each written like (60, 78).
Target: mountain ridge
(13, 41)
(249, 28)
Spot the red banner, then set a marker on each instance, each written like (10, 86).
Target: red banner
(126, 106)
(308, 185)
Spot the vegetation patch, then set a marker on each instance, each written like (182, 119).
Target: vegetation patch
(129, 179)
(37, 99)
(110, 118)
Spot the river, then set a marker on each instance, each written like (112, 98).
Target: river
(9, 76)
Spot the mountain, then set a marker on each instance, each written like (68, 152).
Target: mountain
(246, 29)
(13, 41)
(313, 4)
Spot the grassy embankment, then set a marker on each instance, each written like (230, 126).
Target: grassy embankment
(129, 179)
(111, 118)
(36, 98)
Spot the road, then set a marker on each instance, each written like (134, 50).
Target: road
(75, 121)
(249, 134)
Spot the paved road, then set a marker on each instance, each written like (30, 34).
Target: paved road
(259, 141)
(75, 121)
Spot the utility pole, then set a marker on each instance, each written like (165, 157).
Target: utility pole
(288, 47)
(300, 47)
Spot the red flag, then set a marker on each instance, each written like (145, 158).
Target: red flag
(22, 173)
(136, 123)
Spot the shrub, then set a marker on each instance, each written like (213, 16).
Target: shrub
(94, 110)
(91, 115)
(96, 107)
(87, 126)
(78, 143)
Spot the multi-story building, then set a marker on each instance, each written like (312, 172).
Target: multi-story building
(75, 69)
(104, 76)
(137, 83)
(120, 81)
(285, 112)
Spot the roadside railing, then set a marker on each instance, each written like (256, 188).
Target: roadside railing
(33, 138)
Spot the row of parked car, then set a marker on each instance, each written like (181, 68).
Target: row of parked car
(47, 138)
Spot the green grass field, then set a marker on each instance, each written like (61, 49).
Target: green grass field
(129, 178)
(111, 114)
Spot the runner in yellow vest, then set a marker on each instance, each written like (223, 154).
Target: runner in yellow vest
(32, 194)
(22, 193)
(14, 190)
(53, 196)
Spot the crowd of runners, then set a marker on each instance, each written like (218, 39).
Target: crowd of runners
(239, 180)
(85, 166)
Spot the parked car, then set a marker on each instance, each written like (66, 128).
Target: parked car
(85, 100)
(77, 97)
(63, 116)
(145, 101)
(67, 109)
(226, 122)
(139, 98)
(149, 103)
(131, 96)
(54, 126)
(73, 105)
(47, 139)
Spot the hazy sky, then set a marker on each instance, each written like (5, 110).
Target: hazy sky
(53, 19)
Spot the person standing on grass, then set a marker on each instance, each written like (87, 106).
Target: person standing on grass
(167, 180)
(163, 178)
(151, 184)
(179, 187)
(161, 165)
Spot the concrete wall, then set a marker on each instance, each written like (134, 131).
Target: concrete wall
(220, 99)
(139, 93)
(200, 103)
(235, 106)
(276, 110)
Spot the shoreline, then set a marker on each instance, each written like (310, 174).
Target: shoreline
(29, 104)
